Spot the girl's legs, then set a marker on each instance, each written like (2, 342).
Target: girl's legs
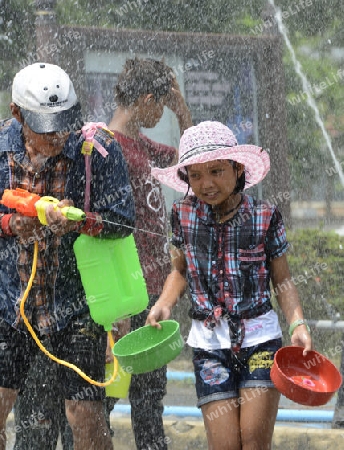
(257, 417)
(238, 400)
(222, 424)
(244, 423)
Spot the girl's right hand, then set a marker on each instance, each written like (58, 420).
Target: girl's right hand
(158, 313)
(302, 338)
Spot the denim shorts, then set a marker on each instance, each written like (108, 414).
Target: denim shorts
(82, 343)
(220, 374)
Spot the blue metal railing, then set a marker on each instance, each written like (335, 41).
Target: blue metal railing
(284, 415)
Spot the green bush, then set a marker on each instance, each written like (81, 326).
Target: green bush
(316, 261)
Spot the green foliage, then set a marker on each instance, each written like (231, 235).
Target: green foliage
(313, 17)
(169, 15)
(308, 151)
(85, 13)
(215, 16)
(316, 261)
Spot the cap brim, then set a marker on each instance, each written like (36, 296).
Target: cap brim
(255, 159)
(68, 120)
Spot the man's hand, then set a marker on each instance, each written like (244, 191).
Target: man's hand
(120, 329)
(174, 100)
(26, 228)
(57, 222)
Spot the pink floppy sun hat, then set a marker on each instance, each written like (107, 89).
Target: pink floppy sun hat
(209, 141)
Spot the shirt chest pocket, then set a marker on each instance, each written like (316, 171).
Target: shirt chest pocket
(252, 271)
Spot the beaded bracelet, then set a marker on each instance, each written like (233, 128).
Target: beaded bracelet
(296, 324)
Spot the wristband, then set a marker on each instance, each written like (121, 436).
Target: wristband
(5, 225)
(296, 324)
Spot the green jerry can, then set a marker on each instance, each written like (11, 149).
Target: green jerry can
(112, 277)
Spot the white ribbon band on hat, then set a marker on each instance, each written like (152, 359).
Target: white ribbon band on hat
(204, 148)
(209, 141)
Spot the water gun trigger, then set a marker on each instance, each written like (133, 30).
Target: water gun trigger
(70, 212)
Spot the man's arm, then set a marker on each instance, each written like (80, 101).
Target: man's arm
(176, 103)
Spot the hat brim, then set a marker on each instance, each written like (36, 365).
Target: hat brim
(67, 120)
(255, 159)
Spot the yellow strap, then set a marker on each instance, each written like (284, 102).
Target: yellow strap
(40, 345)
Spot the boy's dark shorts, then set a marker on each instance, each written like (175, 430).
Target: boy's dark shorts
(220, 374)
(82, 343)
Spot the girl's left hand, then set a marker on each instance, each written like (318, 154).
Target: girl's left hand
(302, 338)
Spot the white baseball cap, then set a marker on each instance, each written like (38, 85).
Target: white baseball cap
(46, 97)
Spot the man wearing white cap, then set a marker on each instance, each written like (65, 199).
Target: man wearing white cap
(40, 152)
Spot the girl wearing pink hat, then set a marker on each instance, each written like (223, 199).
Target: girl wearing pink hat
(227, 246)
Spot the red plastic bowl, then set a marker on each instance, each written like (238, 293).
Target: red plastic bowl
(308, 380)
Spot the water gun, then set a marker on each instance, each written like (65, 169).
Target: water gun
(33, 205)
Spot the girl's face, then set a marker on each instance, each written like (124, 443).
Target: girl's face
(213, 181)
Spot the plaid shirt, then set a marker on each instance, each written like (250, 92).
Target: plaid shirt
(228, 264)
(57, 293)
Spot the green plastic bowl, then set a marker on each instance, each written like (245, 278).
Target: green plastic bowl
(149, 348)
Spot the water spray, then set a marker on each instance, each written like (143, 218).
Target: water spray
(309, 98)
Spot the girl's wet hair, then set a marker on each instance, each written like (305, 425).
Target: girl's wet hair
(240, 184)
(241, 181)
(142, 77)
